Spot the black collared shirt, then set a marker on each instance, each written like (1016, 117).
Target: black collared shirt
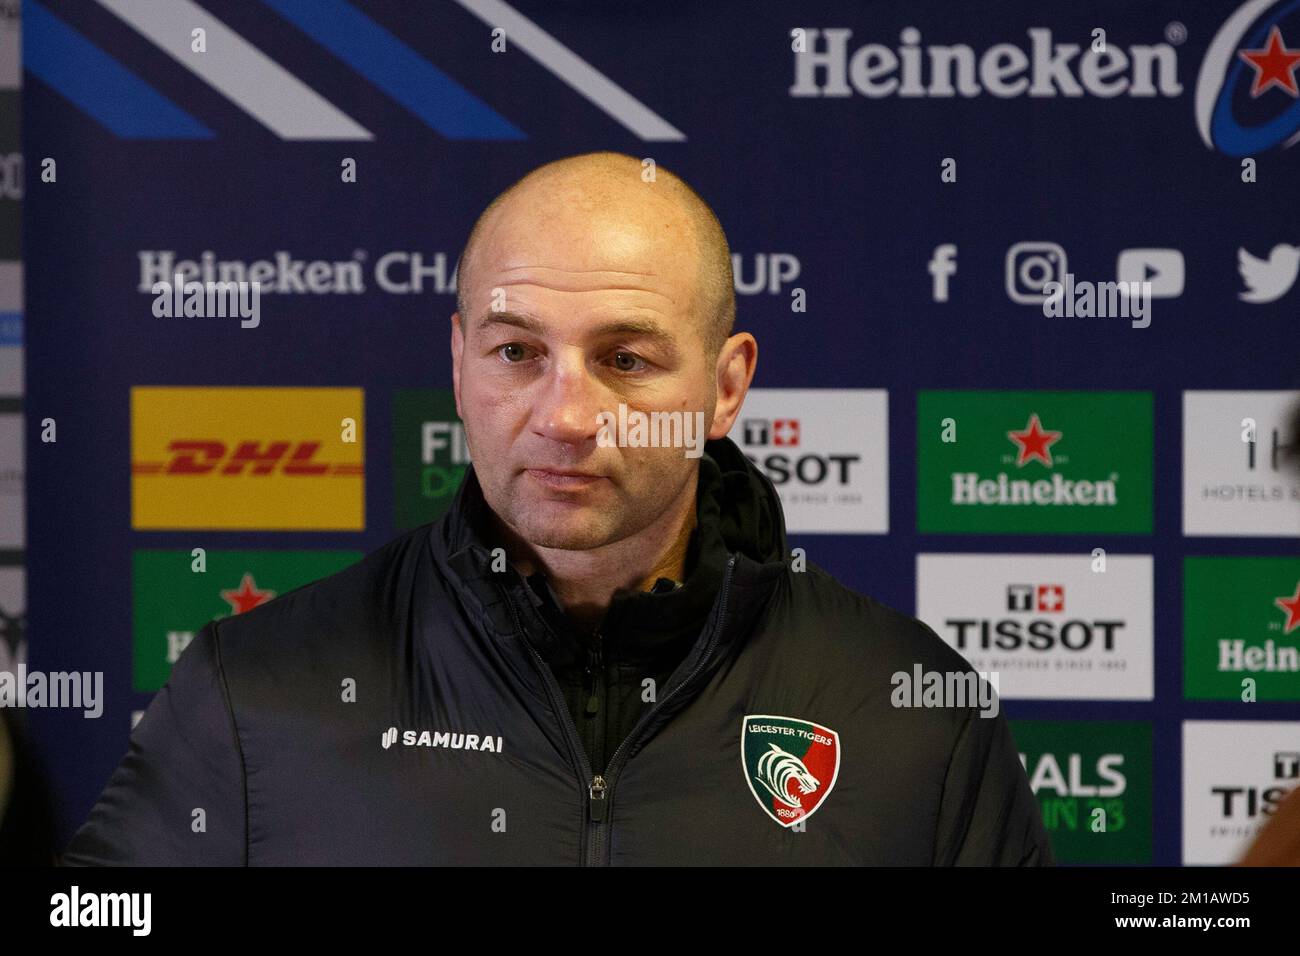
(610, 678)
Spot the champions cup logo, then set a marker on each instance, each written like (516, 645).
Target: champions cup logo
(790, 765)
(1250, 53)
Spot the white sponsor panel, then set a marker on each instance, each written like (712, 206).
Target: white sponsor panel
(11, 328)
(11, 45)
(13, 522)
(1234, 486)
(1235, 773)
(826, 451)
(1049, 624)
(13, 617)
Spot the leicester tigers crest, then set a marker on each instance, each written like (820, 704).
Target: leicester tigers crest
(790, 764)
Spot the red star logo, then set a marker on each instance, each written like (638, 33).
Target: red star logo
(1292, 607)
(1275, 64)
(785, 431)
(1034, 442)
(247, 597)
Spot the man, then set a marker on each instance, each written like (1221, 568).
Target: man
(603, 653)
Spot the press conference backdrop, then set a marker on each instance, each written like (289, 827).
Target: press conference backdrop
(1096, 499)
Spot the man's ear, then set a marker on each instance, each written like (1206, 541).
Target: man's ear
(736, 364)
(457, 349)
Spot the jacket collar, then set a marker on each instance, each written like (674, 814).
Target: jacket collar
(751, 522)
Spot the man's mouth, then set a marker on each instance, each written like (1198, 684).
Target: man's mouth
(564, 479)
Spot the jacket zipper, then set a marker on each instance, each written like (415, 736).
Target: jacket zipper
(595, 673)
(577, 756)
(604, 784)
(597, 787)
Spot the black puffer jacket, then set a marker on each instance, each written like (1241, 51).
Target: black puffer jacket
(773, 742)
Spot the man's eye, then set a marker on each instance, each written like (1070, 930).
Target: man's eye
(628, 362)
(513, 352)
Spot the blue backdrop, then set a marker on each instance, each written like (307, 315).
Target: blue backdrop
(152, 154)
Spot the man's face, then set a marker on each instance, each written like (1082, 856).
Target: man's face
(567, 319)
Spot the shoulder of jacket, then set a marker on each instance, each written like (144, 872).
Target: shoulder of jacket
(351, 601)
(856, 624)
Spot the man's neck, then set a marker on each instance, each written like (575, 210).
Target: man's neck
(585, 581)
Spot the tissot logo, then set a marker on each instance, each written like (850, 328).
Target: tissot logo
(1249, 802)
(778, 431)
(830, 478)
(1030, 597)
(1074, 633)
(1038, 633)
(1235, 774)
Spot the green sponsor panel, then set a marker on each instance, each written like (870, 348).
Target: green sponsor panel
(172, 602)
(1241, 629)
(430, 456)
(1079, 767)
(1034, 462)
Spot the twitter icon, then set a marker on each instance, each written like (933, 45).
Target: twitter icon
(1268, 279)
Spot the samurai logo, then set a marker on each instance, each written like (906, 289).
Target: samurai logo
(790, 764)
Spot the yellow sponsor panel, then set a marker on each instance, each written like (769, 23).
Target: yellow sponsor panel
(262, 459)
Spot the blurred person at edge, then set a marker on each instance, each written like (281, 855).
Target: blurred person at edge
(26, 820)
(1278, 843)
(603, 653)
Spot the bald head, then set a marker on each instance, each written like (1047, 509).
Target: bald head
(609, 196)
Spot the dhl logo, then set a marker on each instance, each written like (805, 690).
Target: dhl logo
(247, 458)
(206, 457)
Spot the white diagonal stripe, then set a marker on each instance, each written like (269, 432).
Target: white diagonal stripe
(572, 69)
(240, 71)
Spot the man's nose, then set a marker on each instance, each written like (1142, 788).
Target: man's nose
(569, 401)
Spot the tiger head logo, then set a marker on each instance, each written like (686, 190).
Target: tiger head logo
(777, 769)
(790, 764)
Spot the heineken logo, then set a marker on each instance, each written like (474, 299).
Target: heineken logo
(790, 765)
(1034, 462)
(247, 596)
(1241, 628)
(1034, 442)
(176, 592)
(1244, 656)
(1290, 606)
